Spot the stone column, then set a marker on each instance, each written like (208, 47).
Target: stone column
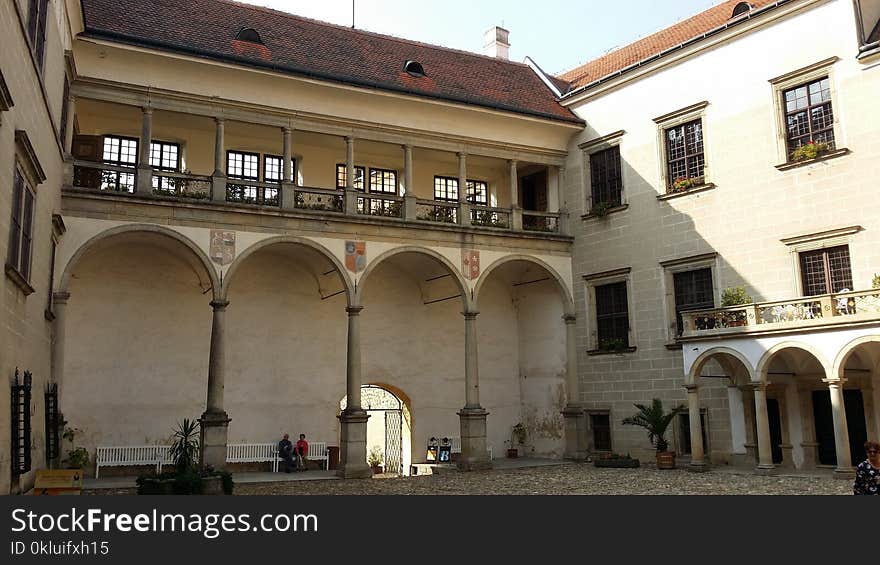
(841, 432)
(68, 137)
(351, 195)
(214, 421)
(144, 170)
(464, 209)
(59, 309)
(808, 430)
(288, 183)
(410, 200)
(515, 210)
(353, 420)
(218, 188)
(472, 417)
(698, 457)
(765, 453)
(751, 444)
(573, 414)
(737, 420)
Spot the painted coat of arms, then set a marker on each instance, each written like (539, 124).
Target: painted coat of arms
(222, 247)
(355, 256)
(470, 263)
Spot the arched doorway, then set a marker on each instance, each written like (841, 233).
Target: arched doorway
(389, 429)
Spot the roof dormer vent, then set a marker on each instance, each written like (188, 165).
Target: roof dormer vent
(249, 34)
(414, 68)
(741, 8)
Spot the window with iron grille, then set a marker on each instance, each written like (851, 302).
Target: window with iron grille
(826, 271)
(341, 176)
(121, 152)
(808, 115)
(383, 180)
(165, 156)
(605, 176)
(685, 161)
(612, 316)
(601, 426)
(37, 17)
(53, 422)
(693, 291)
(446, 189)
(478, 192)
(20, 450)
(21, 228)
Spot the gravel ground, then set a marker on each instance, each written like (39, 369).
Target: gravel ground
(559, 480)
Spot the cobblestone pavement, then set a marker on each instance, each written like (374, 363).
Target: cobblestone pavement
(566, 479)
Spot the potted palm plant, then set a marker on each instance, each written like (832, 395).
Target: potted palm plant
(656, 420)
(375, 460)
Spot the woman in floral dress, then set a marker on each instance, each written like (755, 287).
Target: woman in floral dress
(868, 472)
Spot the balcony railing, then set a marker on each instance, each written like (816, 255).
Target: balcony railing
(129, 180)
(824, 310)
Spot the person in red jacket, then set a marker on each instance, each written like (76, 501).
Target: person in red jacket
(302, 452)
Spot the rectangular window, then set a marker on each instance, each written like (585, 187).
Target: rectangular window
(693, 291)
(21, 424)
(605, 176)
(826, 271)
(342, 181)
(273, 168)
(684, 155)
(808, 115)
(120, 152)
(383, 180)
(37, 17)
(21, 227)
(165, 157)
(601, 426)
(65, 112)
(612, 316)
(242, 166)
(446, 189)
(478, 192)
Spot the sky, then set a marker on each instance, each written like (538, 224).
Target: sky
(565, 35)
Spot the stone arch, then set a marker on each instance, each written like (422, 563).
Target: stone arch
(846, 350)
(294, 240)
(699, 362)
(466, 302)
(95, 241)
(565, 294)
(763, 364)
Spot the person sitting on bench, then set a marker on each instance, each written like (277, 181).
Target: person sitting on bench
(301, 453)
(285, 452)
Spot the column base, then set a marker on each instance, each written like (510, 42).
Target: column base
(288, 196)
(474, 456)
(698, 467)
(766, 470)
(213, 433)
(845, 473)
(353, 445)
(575, 433)
(218, 187)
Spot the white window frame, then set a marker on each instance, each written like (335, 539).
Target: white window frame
(683, 265)
(677, 118)
(592, 147)
(601, 279)
(819, 240)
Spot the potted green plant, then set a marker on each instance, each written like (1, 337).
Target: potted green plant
(616, 460)
(77, 457)
(875, 282)
(375, 459)
(810, 150)
(735, 296)
(656, 420)
(601, 209)
(683, 184)
(518, 436)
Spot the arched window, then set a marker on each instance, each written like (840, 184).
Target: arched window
(741, 8)
(250, 35)
(414, 68)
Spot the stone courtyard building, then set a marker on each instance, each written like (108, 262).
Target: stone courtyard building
(274, 224)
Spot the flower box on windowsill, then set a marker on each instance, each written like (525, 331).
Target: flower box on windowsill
(819, 158)
(612, 210)
(692, 190)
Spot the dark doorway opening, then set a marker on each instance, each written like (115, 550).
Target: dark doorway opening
(855, 422)
(775, 420)
(534, 191)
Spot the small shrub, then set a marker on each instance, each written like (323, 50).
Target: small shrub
(601, 209)
(810, 150)
(735, 296)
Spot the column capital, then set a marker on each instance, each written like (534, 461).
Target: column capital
(148, 110)
(349, 139)
(287, 130)
(761, 386)
(407, 146)
(834, 383)
(512, 162)
(472, 315)
(354, 310)
(219, 305)
(570, 319)
(60, 297)
(219, 120)
(461, 154)
(691, 388)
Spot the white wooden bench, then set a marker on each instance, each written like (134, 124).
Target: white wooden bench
(317, 452)
(130, 455)
(253, 453)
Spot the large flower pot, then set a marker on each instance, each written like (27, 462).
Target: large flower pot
(512, 453)
(666, 460)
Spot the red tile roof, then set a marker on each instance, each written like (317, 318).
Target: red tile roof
(656, 43)
(305, 47)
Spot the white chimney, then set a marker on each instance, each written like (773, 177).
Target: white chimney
(496, 43)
